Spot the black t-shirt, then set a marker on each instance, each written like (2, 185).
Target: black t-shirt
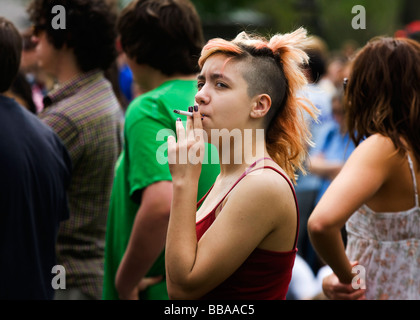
(35, 171)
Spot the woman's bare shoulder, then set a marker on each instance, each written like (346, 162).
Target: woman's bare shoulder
(378, 142)
(376, 149)
(265, 185)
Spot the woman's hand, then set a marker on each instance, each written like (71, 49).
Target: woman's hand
(185, 158)
(336, 290)
(186, 155)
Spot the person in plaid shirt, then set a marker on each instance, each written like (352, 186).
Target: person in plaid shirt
(84, 111)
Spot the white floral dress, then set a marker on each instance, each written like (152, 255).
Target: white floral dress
(387, 245)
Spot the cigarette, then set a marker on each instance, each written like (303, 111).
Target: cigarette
(184, 113)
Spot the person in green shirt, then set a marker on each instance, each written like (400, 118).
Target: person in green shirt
(162, 41)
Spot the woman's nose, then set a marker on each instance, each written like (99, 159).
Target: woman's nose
(202, 97)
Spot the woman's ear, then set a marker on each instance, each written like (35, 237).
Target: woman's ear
(261, 105)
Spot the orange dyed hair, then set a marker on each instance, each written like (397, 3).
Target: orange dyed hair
(273, 67)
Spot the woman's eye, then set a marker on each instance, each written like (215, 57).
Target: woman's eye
(200, 85)
(221, 85)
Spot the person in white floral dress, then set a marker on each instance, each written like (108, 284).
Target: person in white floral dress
(376, 193)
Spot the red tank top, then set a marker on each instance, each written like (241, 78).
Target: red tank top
(264, 275)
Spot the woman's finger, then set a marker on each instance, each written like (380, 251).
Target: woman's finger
(190, 126)
(197, 119)
(196, 152)
(182, 143)
(171, 150)
(180, 131)
(198, 125)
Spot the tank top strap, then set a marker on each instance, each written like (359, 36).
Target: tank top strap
(294, 196)
(413, 175)
(233, 186)
(253, 165)
(250, 169)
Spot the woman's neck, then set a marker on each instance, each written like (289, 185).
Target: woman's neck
(239, 150)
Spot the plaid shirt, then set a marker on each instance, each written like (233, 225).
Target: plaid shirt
(86, 115)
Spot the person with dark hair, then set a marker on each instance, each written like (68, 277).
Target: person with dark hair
(11, 51)
(35, 171)
(21, 91)
(376, 192)
(162, 40)
(39, 81)
(89, 31)
(85, 113)
(239, 241)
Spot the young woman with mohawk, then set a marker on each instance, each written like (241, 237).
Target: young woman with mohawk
(239, 241)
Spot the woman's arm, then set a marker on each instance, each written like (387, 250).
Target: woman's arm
(251, 213)
(195, 268)
(181, 241)
(361, 177)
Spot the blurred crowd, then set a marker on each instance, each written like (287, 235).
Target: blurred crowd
(104, 87)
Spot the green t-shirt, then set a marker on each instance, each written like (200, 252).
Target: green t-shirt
(143, 161)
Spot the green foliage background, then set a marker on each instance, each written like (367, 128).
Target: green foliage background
(329, 19)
